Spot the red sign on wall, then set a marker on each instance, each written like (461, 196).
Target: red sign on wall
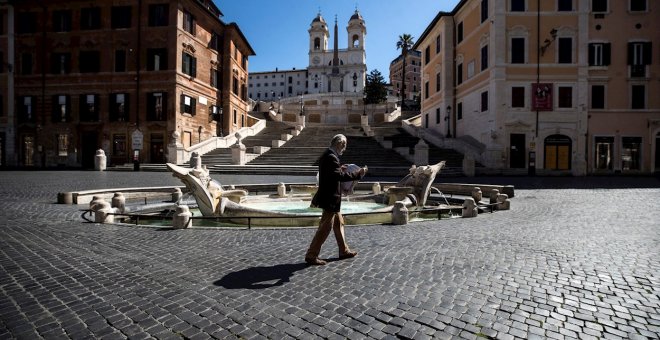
(542, 97)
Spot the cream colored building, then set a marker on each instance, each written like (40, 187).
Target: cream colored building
(272, 85)
(337, 70)
(482, 63)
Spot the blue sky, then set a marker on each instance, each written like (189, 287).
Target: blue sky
(277, 29)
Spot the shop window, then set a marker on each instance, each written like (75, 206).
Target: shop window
(604, 153)
(62, 145)
(631, 153)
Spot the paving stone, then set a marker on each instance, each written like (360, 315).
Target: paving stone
(496, 275)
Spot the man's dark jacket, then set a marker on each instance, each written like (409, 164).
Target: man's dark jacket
(328, 196)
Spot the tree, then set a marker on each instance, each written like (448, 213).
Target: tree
(406, 41)
(374, 90)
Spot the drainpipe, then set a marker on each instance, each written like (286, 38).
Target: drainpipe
(137, 62)
(42, 152)
(11, 61)
(538, 56)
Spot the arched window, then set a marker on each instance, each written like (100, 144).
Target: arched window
(356, 41)
(317, 43)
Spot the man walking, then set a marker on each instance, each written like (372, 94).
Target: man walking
(328, 197)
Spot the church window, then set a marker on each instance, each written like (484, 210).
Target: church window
(317, 43)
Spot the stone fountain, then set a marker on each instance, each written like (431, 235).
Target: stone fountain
(212, 200)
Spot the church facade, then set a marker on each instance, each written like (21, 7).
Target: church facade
(330, 69)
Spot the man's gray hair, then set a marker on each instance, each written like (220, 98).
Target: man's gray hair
(337, 139)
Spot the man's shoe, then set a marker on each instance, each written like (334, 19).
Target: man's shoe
(347, 255)
(315, 261)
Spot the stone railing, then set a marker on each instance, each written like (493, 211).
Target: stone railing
(177, 154)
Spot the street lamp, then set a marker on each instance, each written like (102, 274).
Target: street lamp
(447, 118)
(302, 106)
(364, 102)
(221, 119)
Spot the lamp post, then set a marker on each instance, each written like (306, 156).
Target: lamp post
(279, 104)
(364, 103)
(302, 106)
(448, 119)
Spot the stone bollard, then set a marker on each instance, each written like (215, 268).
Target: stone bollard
(103, 212)
(281, 190)
(476, 194)
(176, 195)
(375, 188)
(100, 160)
(470, 208)
(95, 200)
(503, 202)
(64, 198)
(493, 196)
(119, 202)
(181, 219)
(399, 213)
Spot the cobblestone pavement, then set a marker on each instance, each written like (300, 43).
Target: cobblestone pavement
(574, 258)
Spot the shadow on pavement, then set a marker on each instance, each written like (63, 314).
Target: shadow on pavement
(260, 277)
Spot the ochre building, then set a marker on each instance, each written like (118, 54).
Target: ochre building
(568, 87)
(122, 76)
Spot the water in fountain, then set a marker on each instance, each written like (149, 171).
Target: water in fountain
(451, 214)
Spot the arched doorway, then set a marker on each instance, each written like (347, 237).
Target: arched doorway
(557, 152)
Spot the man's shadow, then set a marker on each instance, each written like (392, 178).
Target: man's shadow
(260, 277)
